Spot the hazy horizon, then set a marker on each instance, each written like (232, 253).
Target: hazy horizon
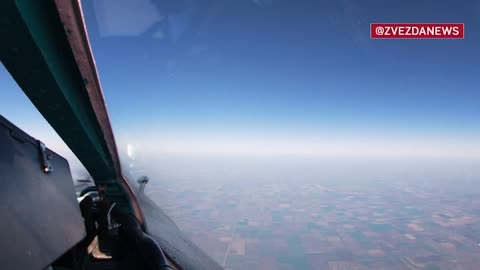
(279, 135)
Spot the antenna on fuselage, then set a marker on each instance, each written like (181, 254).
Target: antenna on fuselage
(143, 180)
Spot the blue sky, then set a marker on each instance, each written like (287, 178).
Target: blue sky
(289, 77)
